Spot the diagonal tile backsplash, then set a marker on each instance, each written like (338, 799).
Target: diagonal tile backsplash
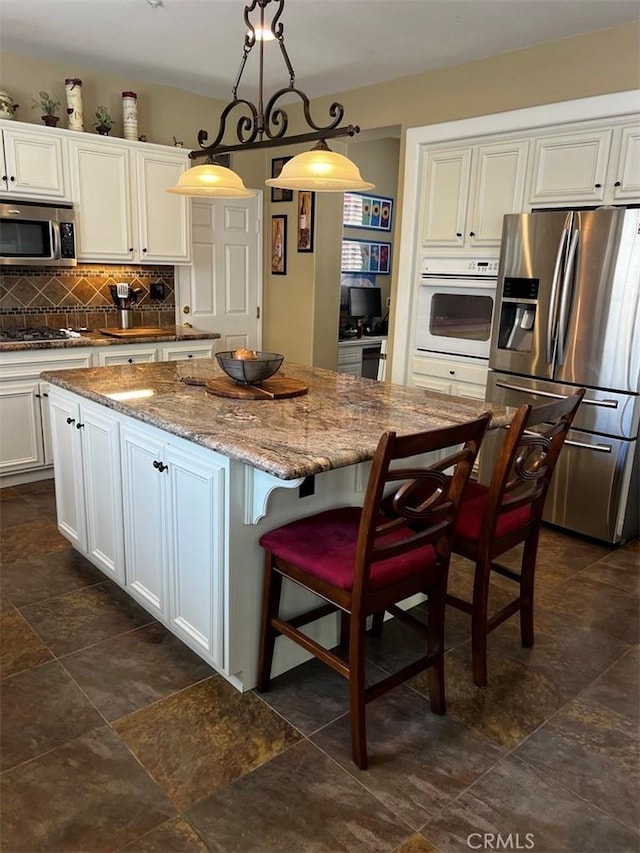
(76, 297)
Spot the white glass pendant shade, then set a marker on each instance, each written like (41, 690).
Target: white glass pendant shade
(320, 170)
(211, 180)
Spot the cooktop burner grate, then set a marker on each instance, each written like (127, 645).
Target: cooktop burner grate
(31, 333)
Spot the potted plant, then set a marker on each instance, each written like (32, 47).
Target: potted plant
(104, 123)
(48, 108)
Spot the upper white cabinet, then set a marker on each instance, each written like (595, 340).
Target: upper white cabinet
(32, 163)
(598, 165)
(466, 191)
(164, 223)
(124, 212)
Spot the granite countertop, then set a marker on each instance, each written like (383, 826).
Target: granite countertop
(97, 339)
(338, 423)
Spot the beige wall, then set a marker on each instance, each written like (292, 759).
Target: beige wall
(298, 306)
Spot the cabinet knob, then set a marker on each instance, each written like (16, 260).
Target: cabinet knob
(160, 466)
(618, 184)
(130, 360)
(452, 372)
(71, 420)
(144, 250)
(38, 396)
(190, 355)
(12, 178)
(472, 233)
(5, 178)
(458, 233)
(597, 186)
(45, 393)
(131, 248)
(79, 426)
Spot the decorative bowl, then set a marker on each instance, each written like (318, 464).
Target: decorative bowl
(250, 369)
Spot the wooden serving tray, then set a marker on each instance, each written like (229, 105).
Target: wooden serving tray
(276, 388)
(139, 332)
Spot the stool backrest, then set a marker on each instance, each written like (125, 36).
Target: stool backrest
(422, 495)
(527, 459)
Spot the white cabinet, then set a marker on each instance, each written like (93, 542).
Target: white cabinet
(457, 376)
(173, 500)
(594, 165)
(86, 448)
(25, 444)
(32, 163)
(467, 190)
(360, 357)
(164, 226)
(182, 350)
(124, 212)
(133, 354)
(101, 189)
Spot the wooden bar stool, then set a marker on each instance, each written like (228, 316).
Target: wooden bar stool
(362, 563)
(493, 519)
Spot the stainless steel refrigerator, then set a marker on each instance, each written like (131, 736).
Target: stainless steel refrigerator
(568, 315)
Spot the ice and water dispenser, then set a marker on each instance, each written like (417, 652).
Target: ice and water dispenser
(518, 309)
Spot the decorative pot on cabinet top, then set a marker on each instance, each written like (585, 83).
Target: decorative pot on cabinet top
(7, 107)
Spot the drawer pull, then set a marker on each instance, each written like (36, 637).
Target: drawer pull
(79, 426)
(71, 420)
(599, 448)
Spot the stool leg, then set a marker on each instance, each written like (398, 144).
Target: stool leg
(377, 621)
(527, 579)
(356, 692)
(436, 604)
(479, 621)
(272, 588)
(345, 621)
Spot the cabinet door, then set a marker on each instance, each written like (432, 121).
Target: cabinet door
(626, 178)
(196, 534)
(570, 167)
(444, 192)
(68, 469)
(100, 435)
(143, 516)
(34, 163)
(497, 187)
(21, 446)
(101, 189)
(164, 219)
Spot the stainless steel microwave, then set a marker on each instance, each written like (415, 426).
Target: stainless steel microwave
(37, 234)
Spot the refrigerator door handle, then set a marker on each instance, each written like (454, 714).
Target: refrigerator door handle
(599, 448)
(555, 281)
(563, 321)
(605, 404)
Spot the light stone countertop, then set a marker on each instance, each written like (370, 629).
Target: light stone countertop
(338, 423)
(96, 339)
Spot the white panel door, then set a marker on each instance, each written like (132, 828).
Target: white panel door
(20, 426)
(196, 534)
(444, 193)
(223, 287)
(163, 217)
(68, 469)
(499, 173)
(626, 184)
(101, 189)
(103, 489)
(34, 162)
(142, 503)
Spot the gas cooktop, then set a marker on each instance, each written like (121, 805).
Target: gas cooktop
(32, 333)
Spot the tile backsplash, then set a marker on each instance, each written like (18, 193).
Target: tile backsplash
(80, 296)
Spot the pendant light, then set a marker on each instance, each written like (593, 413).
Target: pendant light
(260, 126)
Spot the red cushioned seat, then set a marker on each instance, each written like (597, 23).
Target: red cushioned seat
(324, 545)
(471, 513)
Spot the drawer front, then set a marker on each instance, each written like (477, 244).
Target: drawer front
(453, 371)
(25, 365)
(127, 355)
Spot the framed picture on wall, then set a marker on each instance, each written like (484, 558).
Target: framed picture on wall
(278, 194)
(366, 256)
(362, 210)
(278, 245)
(306, 204)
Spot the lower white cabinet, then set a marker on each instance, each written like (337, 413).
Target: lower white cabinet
(457, 376)
(134, 354)
(174, 520)
(86, 450)
(185, 350)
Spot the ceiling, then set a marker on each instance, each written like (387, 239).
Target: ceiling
(334, 45)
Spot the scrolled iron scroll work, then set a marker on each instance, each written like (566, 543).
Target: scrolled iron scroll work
(260, 126)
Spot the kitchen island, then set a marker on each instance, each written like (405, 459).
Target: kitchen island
(168, 488)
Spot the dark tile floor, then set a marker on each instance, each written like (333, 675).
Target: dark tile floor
(116, 737)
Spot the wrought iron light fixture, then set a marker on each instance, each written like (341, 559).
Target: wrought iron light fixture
(265, 126)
